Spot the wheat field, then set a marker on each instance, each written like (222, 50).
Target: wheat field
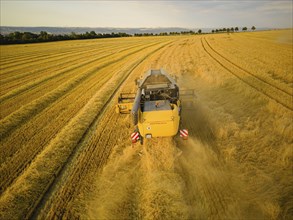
(65, 153)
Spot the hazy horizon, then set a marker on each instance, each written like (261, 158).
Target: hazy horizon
(147, 14)
(138, 27)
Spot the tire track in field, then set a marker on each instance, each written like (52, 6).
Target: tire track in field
(251, 74)
(285, 100)
(45, 79)
(100, 146)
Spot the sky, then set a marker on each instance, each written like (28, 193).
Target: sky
(131, 14)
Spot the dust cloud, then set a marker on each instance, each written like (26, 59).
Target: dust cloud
(170, 179)
(114, 196)
(140, 182)
(213, 188)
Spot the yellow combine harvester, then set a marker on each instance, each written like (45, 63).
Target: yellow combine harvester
(155, 108)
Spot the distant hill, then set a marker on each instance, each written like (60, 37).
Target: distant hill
(78, 30)
(103, 30)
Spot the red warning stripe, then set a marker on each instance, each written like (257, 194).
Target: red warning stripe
(135, 136)
(184, 133)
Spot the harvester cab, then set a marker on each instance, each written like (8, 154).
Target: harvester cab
(155, 108)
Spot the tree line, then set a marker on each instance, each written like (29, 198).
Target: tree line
(166, 33)
(232, 29)
(28, 37)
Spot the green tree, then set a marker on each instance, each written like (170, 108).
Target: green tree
(43, 36)
(253, 28)
(26, 36)
(199, 31)
(2, 38)
(73, 35)
(244, 28)
(15, 36)
(93, 34)
(236, 29)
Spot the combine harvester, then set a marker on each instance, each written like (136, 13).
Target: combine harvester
(155, 108)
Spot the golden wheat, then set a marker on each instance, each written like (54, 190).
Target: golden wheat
(236, 164)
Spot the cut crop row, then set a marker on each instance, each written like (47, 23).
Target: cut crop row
(83, 91)
(64, 143)
(10, 170)
(32, 63)
(37, 72)
(54, 50)
(38, 88)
